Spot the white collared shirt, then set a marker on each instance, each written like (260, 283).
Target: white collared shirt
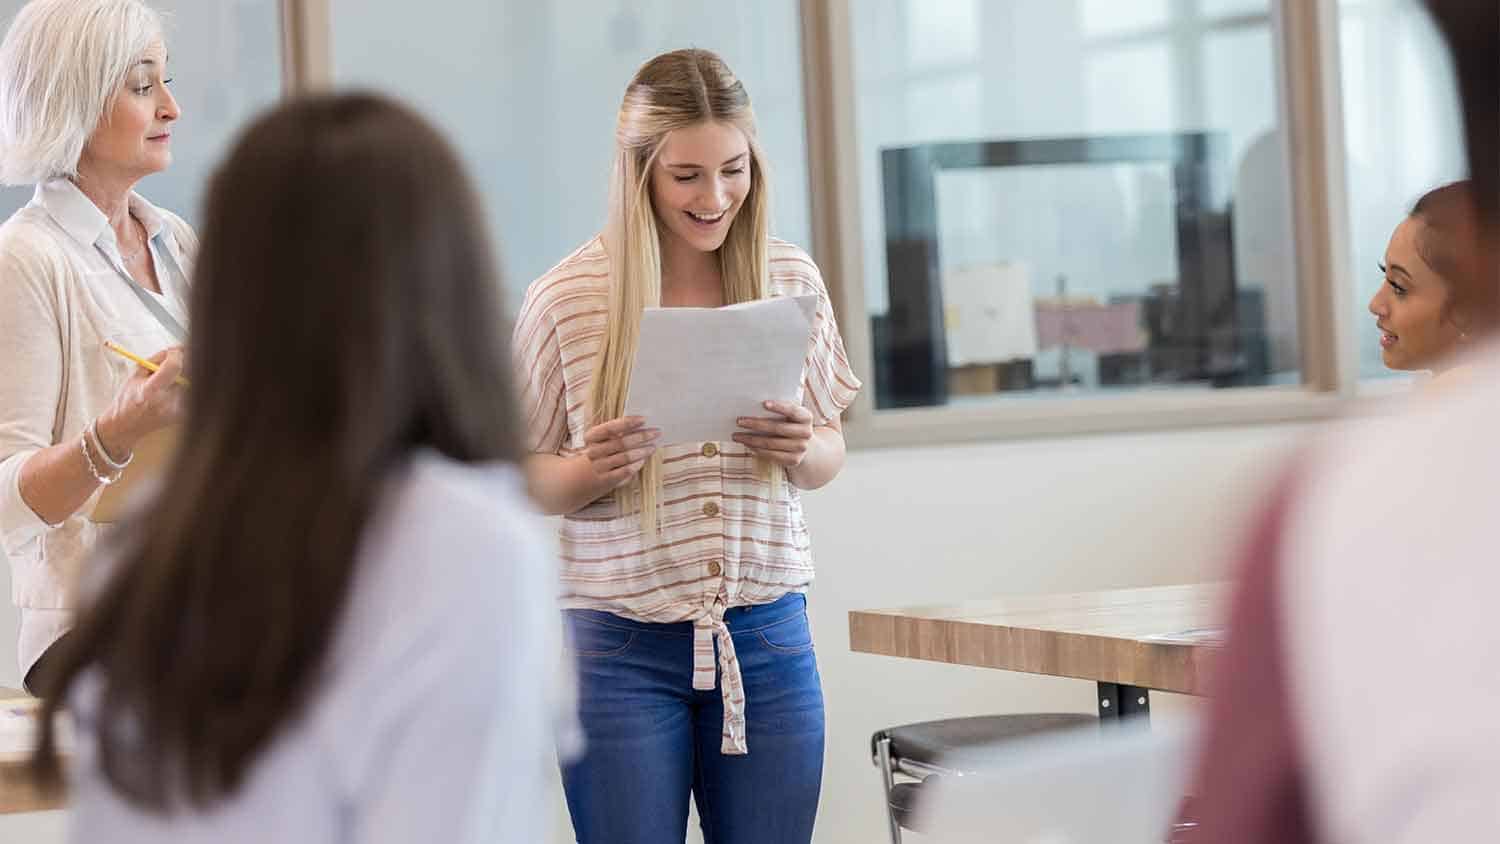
(61, 297)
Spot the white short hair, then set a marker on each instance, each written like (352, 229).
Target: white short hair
(61, 66)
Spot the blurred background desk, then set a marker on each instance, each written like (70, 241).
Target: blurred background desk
(17, 792)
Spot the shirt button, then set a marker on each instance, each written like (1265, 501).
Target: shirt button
(710, 449)
(714, 568)
(710, 509)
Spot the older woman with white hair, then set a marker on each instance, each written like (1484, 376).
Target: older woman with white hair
(85, 113)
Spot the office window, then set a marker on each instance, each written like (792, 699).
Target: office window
(529, 92)
(1066, 199)
(225, 61)
(1110, 17)
(1218, 9)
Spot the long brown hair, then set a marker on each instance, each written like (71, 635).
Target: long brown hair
(671, 91)
(344, 313)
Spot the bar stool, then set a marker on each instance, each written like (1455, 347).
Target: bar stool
(949, 747)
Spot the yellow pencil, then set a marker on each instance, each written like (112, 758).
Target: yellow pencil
(140, 360)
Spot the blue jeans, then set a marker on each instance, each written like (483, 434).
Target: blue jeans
(652, 739)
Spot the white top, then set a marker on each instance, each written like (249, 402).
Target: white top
(436, 720)
(1389, 581)
(61, 297)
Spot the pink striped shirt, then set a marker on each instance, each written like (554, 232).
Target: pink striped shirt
(723, 539)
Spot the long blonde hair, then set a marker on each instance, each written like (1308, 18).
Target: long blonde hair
(672, 91)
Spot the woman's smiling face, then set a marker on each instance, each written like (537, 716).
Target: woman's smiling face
(699, 182)
(1411, 307)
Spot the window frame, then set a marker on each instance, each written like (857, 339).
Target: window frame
(1305, 41)
(306, 46)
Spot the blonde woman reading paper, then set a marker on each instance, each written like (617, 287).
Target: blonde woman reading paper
(684, 566)
(85, 113)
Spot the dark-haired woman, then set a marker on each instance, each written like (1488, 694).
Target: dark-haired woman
(1432, 307)
(334, 623)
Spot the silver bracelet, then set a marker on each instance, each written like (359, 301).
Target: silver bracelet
(83, 445)
(92, 431)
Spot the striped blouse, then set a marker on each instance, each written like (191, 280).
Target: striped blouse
(723, 539)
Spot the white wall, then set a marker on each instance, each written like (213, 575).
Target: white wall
(933, 525)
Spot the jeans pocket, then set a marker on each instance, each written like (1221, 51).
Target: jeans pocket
(792, 636)
(589, 638)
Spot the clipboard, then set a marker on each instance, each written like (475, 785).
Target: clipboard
(153, 453)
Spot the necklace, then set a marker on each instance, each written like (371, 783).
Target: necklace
(128, 257)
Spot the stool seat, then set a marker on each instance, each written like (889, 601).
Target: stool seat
(962, 744)
(930, 749)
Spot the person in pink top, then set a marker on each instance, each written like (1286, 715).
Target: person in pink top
(1353, 701)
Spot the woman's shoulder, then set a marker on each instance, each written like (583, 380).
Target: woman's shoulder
(784, 253)
(793, 272)
(464, 513)
(443, 484)
(1456, 379)
(584, 269)
(30, 229)
(452, 548)
(31, 243)
(587, 265)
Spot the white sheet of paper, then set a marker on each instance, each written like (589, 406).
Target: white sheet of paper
(697, 370)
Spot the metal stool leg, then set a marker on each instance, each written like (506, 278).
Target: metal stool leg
(888, 780)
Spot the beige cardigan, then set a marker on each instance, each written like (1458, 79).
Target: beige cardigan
(61, 297)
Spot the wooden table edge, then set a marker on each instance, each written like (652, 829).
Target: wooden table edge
(1190, 677)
